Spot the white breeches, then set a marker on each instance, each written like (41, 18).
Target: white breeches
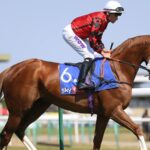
(81, 46)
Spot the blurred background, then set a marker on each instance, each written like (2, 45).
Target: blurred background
(33, 29)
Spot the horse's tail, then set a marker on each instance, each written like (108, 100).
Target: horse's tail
(2, 75)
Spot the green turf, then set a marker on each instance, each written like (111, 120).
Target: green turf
(127, 141)
(74, 147)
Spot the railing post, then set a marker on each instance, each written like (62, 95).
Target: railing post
(61, 132)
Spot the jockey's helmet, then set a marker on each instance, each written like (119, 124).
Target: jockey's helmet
(113, 6)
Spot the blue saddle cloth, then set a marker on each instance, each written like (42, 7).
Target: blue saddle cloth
(69, 77)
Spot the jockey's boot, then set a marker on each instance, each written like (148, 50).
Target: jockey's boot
(82, 76)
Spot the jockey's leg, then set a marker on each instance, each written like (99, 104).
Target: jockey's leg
(78, 44)
(81, 47)
(82, 75)
(120, 116)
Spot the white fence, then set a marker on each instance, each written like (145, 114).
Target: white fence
(77, 120)
(142, 92)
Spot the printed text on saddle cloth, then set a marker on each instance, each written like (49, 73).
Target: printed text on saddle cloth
(69, 77)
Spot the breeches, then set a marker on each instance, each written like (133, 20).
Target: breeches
(81, 46)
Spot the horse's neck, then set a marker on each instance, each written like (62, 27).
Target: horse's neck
(127, 56)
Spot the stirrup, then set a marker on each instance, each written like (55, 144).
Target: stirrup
(84, 86)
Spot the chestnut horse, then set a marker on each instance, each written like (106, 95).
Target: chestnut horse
(31, 86)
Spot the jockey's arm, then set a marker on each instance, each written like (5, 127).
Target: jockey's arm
(99, 48)
(95, 39)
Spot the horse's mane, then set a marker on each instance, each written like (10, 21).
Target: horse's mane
(139, 41)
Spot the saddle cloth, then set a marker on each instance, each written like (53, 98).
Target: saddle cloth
(69, 77)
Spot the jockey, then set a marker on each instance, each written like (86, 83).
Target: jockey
(84, 35)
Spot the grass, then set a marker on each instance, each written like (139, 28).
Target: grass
(127, 141)
(74, 147)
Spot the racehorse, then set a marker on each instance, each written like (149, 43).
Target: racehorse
(31, 86)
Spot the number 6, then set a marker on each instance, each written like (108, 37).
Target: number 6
(65, 73)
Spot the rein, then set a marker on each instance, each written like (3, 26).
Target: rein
(101, 78)
(123, 62)
(132, 65)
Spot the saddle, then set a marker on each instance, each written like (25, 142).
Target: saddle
(100, 73)
(79, 65)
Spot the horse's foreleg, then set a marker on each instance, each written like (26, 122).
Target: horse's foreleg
(120, 116)
(38, 108)
(9, 129)
(101, 124)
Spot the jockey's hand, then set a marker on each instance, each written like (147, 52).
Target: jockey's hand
(106, 53)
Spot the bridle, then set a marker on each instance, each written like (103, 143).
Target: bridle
(104, 81)
(130, 64)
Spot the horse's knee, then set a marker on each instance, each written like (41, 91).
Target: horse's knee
(138, 131)
(120, 116)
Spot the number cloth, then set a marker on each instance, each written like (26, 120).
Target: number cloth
(69, 77)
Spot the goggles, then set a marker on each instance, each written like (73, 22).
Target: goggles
(117, 10)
